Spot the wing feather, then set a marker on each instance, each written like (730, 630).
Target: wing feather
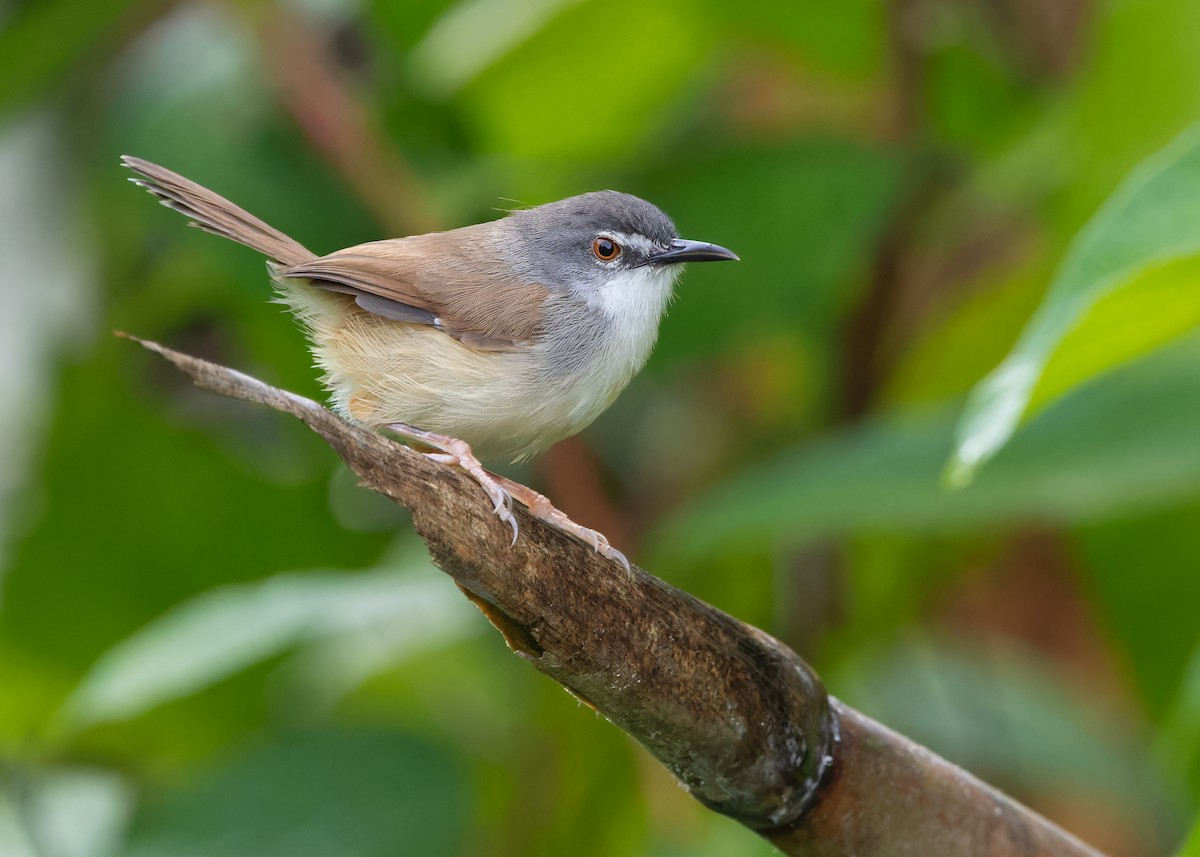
(456, 281)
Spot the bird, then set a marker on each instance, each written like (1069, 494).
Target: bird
(491, 341)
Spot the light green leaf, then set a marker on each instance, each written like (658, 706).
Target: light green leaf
(1191, 848)
(492, 28)
(67, 812)
(1178, 741)
(599, 99)
(1160, 304)
(221, 632)
(1129, 284)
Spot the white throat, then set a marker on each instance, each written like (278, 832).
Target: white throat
(634, 300)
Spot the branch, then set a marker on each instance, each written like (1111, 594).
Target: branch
(743, 723)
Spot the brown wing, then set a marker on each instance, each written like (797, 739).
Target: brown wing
(436, 279)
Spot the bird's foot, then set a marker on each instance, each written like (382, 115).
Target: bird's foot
(457, 453)
(542, 509)
(501, 491)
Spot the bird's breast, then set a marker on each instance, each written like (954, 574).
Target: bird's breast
(507, 405)
(593, 348)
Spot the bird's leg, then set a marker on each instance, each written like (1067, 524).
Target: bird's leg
(501, 490)
(544, 510)
(457, 453)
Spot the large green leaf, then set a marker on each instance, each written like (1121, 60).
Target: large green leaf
(1191, 848)
(221, 632)
(1129, 284)
(1126, 444)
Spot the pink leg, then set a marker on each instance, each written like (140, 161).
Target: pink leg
(457, 453)
(501, 491)
(543, 510)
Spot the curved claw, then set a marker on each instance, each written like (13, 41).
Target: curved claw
(542, 509)
(512, 522)
(501, 492)
(599, 543)
(503, 508)
(457, 453)
(617, 556)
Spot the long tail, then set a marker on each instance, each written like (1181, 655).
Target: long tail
(215, 214)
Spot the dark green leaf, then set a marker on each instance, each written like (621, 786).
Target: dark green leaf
(324, 794)
(45, 39)
(1117, 447)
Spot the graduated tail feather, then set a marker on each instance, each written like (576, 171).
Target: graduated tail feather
(215, 214)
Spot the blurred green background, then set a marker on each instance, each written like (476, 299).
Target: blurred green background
(213, 643)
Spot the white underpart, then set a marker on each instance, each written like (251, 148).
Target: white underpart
(632, 304)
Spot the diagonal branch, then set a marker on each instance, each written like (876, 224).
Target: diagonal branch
(743, 723)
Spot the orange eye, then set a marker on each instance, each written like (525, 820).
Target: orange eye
(606, 249)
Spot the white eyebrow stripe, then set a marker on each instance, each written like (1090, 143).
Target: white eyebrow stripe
(638, 243)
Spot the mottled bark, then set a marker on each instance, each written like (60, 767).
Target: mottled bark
(739, 718)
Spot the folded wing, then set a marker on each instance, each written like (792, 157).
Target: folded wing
(451, 280)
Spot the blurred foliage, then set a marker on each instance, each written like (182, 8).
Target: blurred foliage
(1126, 287)
(211, 642)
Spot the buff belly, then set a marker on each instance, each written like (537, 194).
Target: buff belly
(507, 405)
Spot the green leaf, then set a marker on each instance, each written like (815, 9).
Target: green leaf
(1129, 284)
(1141, 573)
(322, 794)
(45, 39)
(1001, 712)
(210, 637)
(1123, 445)
(598, 99)
(67, 812)
(1178, 741)
(1191, 848)
(834, 197)
(1160, 304)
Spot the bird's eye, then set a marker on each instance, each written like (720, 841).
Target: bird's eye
(606, 249)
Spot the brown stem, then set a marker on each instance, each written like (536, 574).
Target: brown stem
(738, 717)
(868, 323)
(320, 99)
